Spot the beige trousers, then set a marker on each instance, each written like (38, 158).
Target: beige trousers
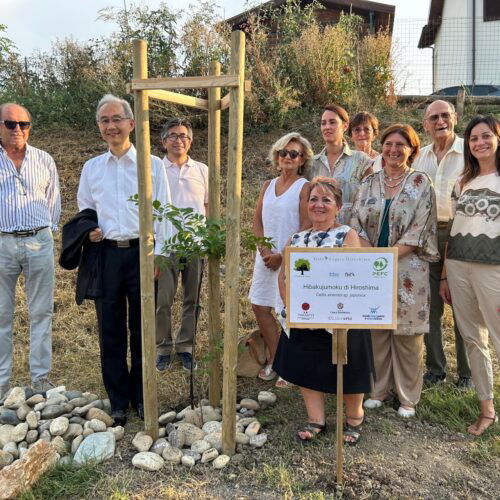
(475, 292)
(398, 366)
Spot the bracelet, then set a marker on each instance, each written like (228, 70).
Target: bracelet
(443, 279)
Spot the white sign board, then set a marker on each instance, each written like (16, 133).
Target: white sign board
(341, 287)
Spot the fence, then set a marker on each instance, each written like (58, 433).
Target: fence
(458, 51)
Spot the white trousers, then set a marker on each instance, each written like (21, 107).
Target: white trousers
(34, 257)
(475, 293)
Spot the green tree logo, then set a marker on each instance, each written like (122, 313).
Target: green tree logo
(302, 265)
(380, 264)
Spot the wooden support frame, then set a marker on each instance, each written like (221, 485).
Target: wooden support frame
(157, 88)
(146, 244)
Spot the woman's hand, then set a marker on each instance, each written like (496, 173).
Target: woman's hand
(444, 291)
(272, 260)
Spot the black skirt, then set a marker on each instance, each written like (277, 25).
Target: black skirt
(305, 359)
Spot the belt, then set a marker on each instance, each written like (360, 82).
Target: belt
(443, 224)
(121, 243)
(28, 232)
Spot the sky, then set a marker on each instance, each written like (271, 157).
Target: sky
(36, 24)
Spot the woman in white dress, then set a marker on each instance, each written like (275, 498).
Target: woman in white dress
(281, 211)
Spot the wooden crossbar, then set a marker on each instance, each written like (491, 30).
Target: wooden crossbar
(175, 98)
(187, 82)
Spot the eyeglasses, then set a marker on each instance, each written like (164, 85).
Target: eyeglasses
(443, 116)
(283, 153)
(21, 183)
(11, 124)
(115, 120)
(173, 137)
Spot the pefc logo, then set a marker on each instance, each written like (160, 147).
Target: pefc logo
(380, 267)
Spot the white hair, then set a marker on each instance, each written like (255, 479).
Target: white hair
(112, 99)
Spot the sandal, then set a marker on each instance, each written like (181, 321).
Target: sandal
(281, 383)
(267, 373)
(314, 429)
(353, 431)
(477, 425)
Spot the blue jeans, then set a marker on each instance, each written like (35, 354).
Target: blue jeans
(34, 257)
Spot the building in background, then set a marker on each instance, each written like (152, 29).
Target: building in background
(376, 15)
(465, 38)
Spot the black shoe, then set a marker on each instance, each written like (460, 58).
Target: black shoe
(162, 362)
(187, 361)
(140, 410)
(431, 379)
(119, 417)
(465, 383)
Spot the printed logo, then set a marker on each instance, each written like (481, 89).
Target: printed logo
(302, 265)
(340, 306)
(380, 267)
(373, 310)
(305, 306)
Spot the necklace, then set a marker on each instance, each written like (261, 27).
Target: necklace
(319, 240)
(386, 183)
(403, 173)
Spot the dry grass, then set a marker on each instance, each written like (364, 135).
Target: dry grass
(284, 468)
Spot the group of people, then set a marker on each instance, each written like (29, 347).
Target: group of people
(439, 207)
(102, 240)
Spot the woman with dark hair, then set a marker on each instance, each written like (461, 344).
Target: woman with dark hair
(396, 207)
(281, 210)
(337, 160)
(304, 355)
(471, 274)
(363, 129)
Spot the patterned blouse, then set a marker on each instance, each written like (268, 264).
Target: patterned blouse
(348, 170)
(412, 222)
(333, 237)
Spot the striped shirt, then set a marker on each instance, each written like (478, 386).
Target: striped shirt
(29, 197)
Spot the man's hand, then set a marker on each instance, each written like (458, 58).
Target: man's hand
(444, 291)
(157, 273)
(96, 235)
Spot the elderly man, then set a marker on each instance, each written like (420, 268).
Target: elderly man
(188, 180)
(30, 206)
(443, 161)
(106, 184)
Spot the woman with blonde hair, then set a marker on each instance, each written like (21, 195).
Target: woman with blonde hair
(281, 211)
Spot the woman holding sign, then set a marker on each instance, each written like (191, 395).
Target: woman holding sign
(471, 276)
(281, 210)
(396, 207)
(304, 356)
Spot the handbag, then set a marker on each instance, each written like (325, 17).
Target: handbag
(251, 354)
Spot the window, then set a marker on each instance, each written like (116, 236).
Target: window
(491, 10)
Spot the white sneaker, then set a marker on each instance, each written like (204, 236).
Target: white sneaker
(406, 412)
(371, 404)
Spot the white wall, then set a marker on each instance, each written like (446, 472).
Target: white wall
(453, 46)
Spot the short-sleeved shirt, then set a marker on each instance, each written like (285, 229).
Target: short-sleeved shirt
(475, 232)
(348, 170)
(443, 175)
(188, 184)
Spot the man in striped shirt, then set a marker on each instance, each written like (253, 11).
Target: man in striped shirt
(30, 206)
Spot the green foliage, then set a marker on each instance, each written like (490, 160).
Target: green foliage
(196, 235)
(7, 46)
(302, 265)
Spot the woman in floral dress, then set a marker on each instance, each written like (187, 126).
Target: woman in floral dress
(396, 207)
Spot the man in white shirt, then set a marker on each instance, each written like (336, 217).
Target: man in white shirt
(106, 184)
(443, 161)
(188, 180)
(30, 206)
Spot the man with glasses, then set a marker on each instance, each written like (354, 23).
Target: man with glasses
(443, 161)
(30, 206)
(188, 180)
(106, 184)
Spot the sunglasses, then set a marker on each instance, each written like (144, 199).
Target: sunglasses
(11, 124)
(283, 153)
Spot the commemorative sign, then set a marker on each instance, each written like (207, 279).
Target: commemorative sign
(341, 287)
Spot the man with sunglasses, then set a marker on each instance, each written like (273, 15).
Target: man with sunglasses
(106, 185)
(30, 206)
(188, 180)
(443, 161)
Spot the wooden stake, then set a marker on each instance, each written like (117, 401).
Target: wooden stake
(460, 102)
(339, 357)
(214, 323)
(232, 291)
(146, 242)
